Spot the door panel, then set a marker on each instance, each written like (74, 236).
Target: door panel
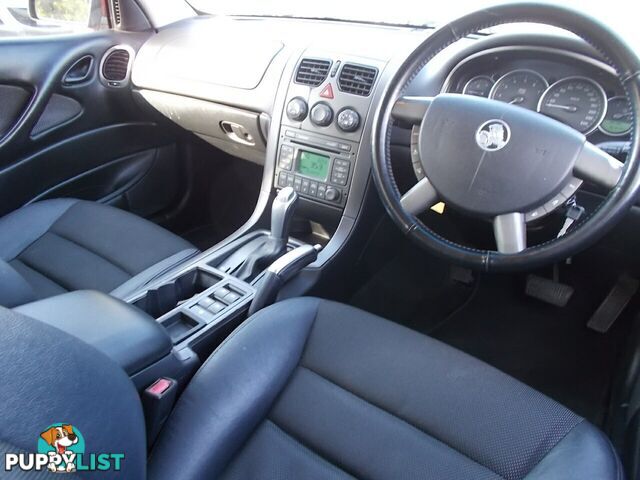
(63, 132)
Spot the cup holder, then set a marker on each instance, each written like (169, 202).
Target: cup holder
(168, 296)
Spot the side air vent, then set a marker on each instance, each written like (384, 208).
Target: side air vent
(357, 79)
(312, 71)
(115, 67)
(116, 11)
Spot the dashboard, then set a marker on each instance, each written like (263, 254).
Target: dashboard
(302, 102)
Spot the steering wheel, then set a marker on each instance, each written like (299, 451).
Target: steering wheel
(498, 161)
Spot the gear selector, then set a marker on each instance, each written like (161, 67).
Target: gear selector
(254, 257)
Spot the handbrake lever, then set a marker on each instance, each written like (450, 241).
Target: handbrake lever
(281, 271)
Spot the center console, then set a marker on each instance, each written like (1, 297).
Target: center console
(328, 98)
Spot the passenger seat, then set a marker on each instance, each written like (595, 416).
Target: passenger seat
(55, 246)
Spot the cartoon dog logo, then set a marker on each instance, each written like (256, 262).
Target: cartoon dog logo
(61, 438)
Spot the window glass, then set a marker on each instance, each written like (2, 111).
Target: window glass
(51, 17)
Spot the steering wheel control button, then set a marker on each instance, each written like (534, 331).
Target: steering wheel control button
(285, 161)
(554, 203)
(348, 120)
(571, 188)
(493, 135)
(535, 214)
(297, 109)
(321, 114)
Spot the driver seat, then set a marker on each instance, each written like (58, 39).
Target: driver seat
(312, 389)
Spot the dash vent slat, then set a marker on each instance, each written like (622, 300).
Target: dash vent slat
(312, 71)
(116, 65)
(357, 79)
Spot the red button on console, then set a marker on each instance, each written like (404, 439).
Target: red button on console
(327, 92)
(160, 386)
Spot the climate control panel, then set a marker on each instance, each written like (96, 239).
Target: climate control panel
(318, 167)
(322, 115)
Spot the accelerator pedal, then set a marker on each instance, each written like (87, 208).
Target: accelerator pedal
(612, 306)
(548, 291)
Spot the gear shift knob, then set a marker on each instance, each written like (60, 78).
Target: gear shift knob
(282, 210)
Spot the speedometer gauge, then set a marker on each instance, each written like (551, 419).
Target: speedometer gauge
(619, 118)
(576, 101)
(480, 86)
(520, 87)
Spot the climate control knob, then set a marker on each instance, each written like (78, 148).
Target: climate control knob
(332, 194)
(321, 114)
(297, 109)
(348, 120)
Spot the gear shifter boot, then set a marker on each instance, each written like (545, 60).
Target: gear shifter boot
(275, 244)
(272, 249)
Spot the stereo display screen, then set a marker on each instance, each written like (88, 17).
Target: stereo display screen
(313, 164)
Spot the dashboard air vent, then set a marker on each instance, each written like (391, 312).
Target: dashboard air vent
(116, 65)
(116, 11)
(357, 79)
(312, 71)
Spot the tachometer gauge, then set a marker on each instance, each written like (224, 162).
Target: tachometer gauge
(576, 101)
(480, 86)
(619, 118)
(520, 87)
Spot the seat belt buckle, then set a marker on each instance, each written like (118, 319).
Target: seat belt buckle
(157, 401)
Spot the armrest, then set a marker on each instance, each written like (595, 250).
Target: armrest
(128, 335)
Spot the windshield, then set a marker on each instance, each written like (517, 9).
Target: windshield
(615, 13)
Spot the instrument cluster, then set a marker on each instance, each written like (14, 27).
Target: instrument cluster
(578, 93)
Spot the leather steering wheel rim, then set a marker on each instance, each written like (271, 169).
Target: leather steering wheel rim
(620, 198)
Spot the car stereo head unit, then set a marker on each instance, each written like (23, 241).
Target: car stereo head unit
(318, 167)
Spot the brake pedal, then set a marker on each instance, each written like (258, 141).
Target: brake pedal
(548, 291)
(615, 303)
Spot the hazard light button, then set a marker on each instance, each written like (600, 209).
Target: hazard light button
(327, 92)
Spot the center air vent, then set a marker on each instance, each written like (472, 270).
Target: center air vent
(357, 79)
(312, 71)
(116, 65)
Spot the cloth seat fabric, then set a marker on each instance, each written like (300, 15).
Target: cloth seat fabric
(319, 390)
(55, 246)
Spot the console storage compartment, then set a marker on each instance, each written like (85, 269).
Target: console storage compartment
(180, 326)
(168, 296)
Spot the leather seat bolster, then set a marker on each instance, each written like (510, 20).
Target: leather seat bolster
(21, 228)
(15, 289)
(63, 245)
(584, 453)
(233, 392)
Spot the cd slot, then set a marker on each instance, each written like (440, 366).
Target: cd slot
(319, 147)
